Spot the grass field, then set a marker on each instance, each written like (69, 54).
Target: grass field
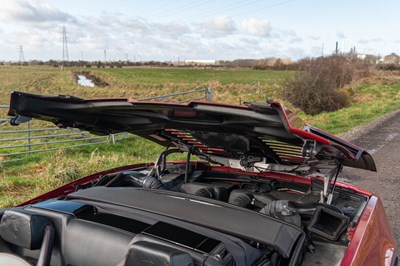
(20, 181)
(189, 76)
(227, 85)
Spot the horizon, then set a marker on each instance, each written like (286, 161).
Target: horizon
(176, 30)
(191, 61)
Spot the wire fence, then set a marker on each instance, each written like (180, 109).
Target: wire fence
(34, 137)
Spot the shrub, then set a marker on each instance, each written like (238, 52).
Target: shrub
(315, 88)
(391, 67)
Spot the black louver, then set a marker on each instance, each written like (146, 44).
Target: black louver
(285, 151)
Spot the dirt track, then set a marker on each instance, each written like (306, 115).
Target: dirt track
(381, 138)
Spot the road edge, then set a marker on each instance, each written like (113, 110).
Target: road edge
(364, 129)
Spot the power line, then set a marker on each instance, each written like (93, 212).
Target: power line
(161, 7)
(224, 9)
(266, 7)
(182, 8)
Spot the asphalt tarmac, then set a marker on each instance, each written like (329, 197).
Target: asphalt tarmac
(382, 141)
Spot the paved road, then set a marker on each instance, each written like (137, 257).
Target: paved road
(383, 142)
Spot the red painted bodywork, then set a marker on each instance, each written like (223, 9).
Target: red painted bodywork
(295, 125)
(372, 241)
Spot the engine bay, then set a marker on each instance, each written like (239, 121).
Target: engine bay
(200, 210)
(295, 203)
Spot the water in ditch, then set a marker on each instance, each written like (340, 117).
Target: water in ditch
(84, 81)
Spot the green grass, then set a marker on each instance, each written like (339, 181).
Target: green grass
(38, 173)
(188, 75)
(20, 181)
(369, 101)
(227, 85)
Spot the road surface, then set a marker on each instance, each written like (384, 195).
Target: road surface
(382, 141)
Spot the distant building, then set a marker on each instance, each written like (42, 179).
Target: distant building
(361, 56)
(392, 59)
(368, 58)
(201, 62)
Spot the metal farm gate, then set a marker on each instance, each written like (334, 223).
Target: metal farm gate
(33, 137)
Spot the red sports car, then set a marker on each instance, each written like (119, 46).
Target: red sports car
(258, 187)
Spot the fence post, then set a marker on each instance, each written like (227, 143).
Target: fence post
(208, 94)
(112, 138)
(29, 138)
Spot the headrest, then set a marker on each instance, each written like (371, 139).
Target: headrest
(143, 253)
(23, 228)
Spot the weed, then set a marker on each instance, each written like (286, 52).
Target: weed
(68, 173)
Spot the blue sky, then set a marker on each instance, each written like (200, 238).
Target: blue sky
(202, 29)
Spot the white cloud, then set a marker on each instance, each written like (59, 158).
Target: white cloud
(366, 41)
(288, 33)
(316, 51)
(294, 52)
(296, 40)
(280, 36)
(314, 37)
(31, 11)
(38, 27)
(249, 41)
(256, 27)
(218, 27)
(340, 35)
(174, 30)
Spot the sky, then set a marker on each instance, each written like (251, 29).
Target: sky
(178, 30)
